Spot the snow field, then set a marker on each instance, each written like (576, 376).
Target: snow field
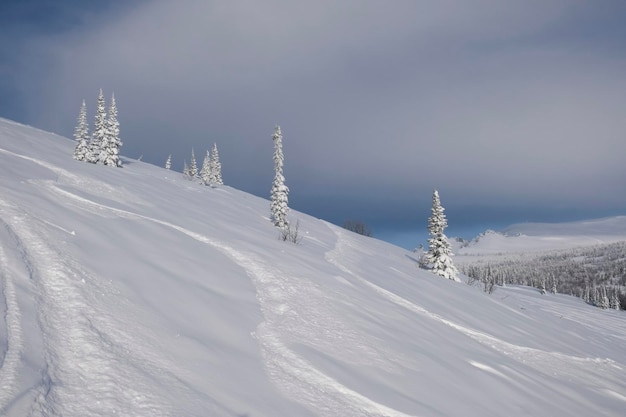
(136, 292)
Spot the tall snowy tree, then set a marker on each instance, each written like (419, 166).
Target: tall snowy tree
(110, 145)
(215, 167)
(604, 299)
(193, 166)
(81, 151)
(205, 172)
(168, 162)
(99, 134)
(439, 254)
(279, 204)
(615, 301)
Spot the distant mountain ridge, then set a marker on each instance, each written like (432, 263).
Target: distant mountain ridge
(538, 237)
(607, 226)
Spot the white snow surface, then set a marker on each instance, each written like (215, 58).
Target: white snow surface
(135, 292)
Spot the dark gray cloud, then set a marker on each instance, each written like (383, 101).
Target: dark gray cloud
(512, 105)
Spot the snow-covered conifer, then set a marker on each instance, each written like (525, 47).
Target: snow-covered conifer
(615, 299)
(186, 170)
(81, 151)
(215, 168)
(205, 172)
(193, 166)
(604, 299)
(587, 294)
(439, 254)
(279, 204)
(110, 145)
(168, 162)
(99, 133)
(612, 299)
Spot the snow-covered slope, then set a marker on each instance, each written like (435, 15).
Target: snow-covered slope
(135, 292)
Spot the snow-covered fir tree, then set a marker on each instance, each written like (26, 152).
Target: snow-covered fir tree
(279, 204)
(215, 167)
(99, 133)
(168, 162)
(604, 299)
(439, 255)
(186, 170)
(111, 144)
(205, 172)
(193, 165)
(616, 305)
(81, 133)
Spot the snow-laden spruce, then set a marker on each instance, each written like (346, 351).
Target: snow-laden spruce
(168, 162)
(81, 134)
(215, 167)
(99, 133)
(439, 255)
(211, 171)
(110, 145)
(193, 165)
(205, 171)
(279, 204)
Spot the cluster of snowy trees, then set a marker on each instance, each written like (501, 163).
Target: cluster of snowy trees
(103, 145)
(210, 172)
(604, 297)
(357, 227)
(439, 255)
(597, 273)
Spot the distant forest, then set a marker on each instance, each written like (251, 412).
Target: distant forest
(595, 273)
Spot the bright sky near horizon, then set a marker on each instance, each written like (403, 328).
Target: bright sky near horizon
(514, 111)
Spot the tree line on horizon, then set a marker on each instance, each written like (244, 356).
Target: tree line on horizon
(210, 172)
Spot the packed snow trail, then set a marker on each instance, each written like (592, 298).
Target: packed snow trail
(598, 374)
(276, 292)
(10, 363)
(83, 359)
(24, 378)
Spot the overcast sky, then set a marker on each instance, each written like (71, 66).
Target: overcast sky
(514, 110)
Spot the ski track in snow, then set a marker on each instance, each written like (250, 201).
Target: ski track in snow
(594, 373)
(80, 363)
(10, 364)
(296, 377)
(21, 347)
